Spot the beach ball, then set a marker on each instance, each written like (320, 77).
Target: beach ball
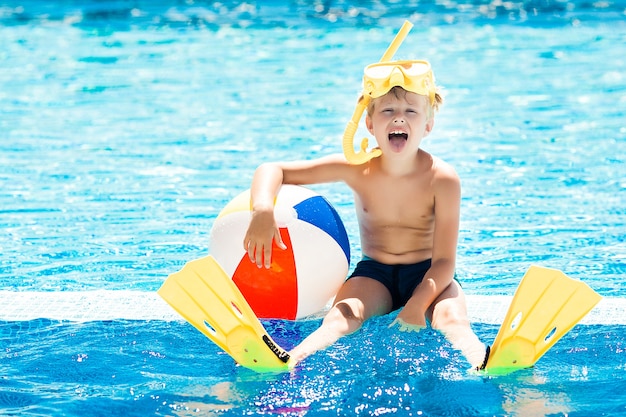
(303, 278)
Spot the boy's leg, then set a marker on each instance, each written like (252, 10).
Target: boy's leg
(448, 314)
(358, 299)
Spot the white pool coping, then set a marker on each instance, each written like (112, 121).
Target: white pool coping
(103, 305)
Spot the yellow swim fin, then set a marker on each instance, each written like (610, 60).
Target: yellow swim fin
(208, 299)
(546, 305)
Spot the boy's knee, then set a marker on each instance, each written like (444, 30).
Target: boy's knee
(343, 318)
(445, 318)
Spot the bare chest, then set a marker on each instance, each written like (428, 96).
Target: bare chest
(402, 203)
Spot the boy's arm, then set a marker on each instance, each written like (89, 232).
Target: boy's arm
(263, 230)
(266, 184)
(441, 272)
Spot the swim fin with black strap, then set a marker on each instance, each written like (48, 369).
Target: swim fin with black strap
(546, 305)
(208, 299)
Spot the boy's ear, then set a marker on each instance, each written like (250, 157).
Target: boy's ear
(368, 124)
(429, 125)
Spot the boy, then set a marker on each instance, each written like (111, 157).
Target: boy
(407, 204)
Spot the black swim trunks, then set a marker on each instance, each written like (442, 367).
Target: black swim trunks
(401, 280)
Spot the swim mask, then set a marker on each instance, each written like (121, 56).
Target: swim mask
(414, 76)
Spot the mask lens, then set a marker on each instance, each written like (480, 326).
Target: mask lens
(384, 70)
(415, 69)
(379, 71)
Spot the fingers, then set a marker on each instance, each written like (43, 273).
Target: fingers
(267, 256)
(264, 253)
(279, 240)
(403, 326)
(260, 253)
(250, 249)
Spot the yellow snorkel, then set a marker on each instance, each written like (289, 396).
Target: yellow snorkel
(348, 135)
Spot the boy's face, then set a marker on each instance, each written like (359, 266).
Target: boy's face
(399, 121)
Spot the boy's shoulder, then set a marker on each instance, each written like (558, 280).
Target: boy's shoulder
(437, 163)
(443, 169)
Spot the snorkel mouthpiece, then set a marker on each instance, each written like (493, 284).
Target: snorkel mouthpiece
(348, 135)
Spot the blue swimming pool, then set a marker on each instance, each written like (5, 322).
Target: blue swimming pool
(125, 127)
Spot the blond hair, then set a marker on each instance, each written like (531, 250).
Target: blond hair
(399, 92)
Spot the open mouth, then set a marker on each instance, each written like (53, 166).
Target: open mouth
(398, 135)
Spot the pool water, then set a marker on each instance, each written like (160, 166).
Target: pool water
(126, 127)
(168, 368)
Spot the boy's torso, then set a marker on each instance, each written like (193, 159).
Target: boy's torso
(396, 214)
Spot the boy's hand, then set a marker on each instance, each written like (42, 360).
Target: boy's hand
(262, 231)
(403, 326)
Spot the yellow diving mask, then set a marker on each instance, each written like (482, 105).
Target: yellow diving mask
(414, 76)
